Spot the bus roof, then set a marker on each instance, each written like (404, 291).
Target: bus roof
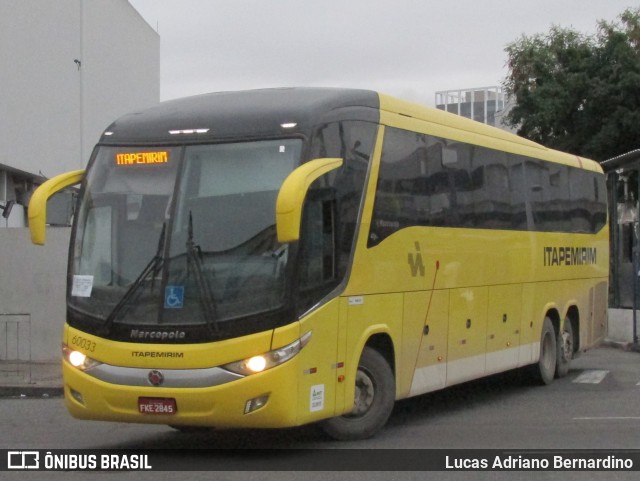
(481, 133)
(242, 115)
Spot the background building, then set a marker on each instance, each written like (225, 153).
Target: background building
(68, 68)
(623, 179)
(484, 104)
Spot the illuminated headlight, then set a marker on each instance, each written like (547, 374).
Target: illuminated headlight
(78, 359)
(257, 364)
(268, 360)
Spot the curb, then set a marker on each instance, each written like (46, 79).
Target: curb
(31, 392)
(624, 345)
(30, 379)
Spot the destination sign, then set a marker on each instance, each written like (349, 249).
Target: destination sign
(144, 158)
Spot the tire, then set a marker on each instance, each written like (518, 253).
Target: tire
(375, 395)
(564, 345)
(544, 370)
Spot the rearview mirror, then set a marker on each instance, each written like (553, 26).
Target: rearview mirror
(38, 202)
(292, 194)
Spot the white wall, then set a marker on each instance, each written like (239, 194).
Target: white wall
(52, 111)
(51, 115)
(39, 83)
(33, 281)
(121, 65)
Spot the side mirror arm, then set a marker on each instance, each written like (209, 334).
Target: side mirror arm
(292, 194)
(38, 203)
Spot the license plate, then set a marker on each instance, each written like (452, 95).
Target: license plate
(157, 405)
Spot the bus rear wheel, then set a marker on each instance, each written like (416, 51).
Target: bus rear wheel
(375, 393)
(545, 370)
(565, 348)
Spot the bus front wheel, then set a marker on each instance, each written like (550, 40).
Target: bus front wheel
(375, 393)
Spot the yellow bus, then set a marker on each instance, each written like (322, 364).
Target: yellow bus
(279, 257)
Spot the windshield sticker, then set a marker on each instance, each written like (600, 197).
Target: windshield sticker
(174, 297)
(82, 286)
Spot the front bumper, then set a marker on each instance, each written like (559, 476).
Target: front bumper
(221, 406)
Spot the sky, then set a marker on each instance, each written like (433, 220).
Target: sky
(406, 48)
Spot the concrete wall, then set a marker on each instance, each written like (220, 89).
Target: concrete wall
(621, 325)
(32, 294)
(68, 68)
(53, 108)
(120, 68)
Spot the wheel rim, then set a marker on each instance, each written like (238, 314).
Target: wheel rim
(364, 395)
(567, 345)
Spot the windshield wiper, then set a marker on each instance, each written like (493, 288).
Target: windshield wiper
(194, 261)
(153, 267)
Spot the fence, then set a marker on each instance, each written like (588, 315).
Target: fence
(15, 351)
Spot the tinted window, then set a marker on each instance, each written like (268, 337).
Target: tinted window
(431, 181)
(331, 208)
(588, 197)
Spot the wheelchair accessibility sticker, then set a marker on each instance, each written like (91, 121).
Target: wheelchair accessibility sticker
(174, 297)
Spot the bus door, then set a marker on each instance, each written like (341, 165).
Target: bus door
(316, 278)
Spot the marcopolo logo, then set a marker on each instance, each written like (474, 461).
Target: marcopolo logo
(23, 460)
(157, 335)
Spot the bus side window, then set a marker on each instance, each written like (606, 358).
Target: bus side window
(587, 201)
(491, 193)
(332, 206)
(317, 266)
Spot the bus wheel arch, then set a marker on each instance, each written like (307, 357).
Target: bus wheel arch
(375, 393)
(382, 343)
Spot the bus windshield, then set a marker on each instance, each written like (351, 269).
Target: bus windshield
(181, 236)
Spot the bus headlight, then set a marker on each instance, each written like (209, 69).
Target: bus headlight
(257, 364)
(268, 360)
(78, 359)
